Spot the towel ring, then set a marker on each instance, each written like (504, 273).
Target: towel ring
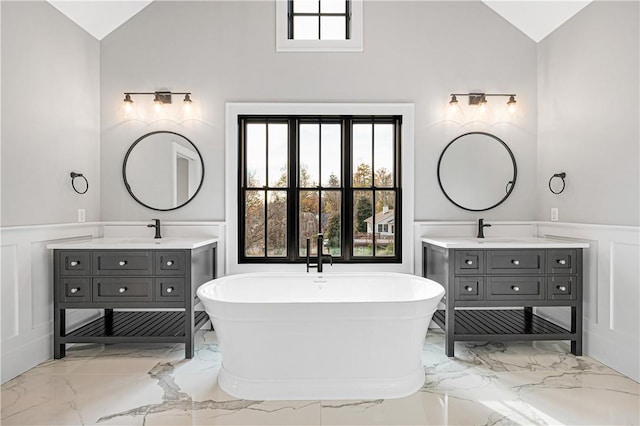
(561, 176)
(75, 175)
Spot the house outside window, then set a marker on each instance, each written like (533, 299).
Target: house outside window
(304, 175)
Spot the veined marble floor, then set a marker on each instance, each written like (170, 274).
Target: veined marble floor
(516, 384)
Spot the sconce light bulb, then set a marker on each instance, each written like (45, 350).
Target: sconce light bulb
(128, 103)
(482, 104)
(511, 104)
(453, 103)
(187, 102)
(157, 103)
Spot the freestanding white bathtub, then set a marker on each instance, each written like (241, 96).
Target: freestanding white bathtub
(292, 336)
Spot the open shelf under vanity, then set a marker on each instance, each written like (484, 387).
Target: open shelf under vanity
(502, 325)
(135, 326)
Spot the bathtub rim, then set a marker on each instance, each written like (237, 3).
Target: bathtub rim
(221, 280)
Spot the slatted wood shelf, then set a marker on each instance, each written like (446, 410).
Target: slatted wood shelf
(138, 326)
(502, 325)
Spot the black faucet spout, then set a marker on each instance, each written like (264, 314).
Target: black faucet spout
(321, 256)
(481, 226)
(156, 225)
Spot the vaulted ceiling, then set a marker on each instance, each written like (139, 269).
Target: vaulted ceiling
(535, 18)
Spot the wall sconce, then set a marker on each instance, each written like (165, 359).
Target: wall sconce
(480, 99)
(160, 98)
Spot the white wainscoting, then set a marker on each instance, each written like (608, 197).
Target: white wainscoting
(611, 309)
(611, 268)
(27, 293)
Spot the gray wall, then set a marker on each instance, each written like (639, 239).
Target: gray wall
(50, 115)
(415, 52)
(589, 116)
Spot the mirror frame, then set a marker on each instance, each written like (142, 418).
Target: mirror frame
(512, 182)
(124, 170)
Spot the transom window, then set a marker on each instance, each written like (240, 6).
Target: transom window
(319, 19)
(300, 176)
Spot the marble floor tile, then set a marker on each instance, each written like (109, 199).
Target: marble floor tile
(520, 383)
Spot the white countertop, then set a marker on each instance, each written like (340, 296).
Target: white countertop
(134, 243)
(501, 243)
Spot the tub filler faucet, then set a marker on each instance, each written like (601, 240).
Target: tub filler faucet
(156, 224)
(318, 264)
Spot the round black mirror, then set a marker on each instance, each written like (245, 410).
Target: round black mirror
(477, 171)
(163, 170)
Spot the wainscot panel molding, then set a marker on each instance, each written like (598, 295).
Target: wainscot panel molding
(611, 309)
(611, 292)
(27, 293)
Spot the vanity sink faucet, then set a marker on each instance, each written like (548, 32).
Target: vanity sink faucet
(157, 226)
(481, 226)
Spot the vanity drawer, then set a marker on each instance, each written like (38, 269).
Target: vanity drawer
(561, 288)
(169, 289)
(122, 289)
(123, 263)
(515, 288)
(469, 262)
(170, 263)
(561, 261)
(515, 261)
(75, 290)
(74, 262)
(469, 288)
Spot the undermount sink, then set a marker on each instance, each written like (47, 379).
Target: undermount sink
(494, 240)
(143, 240)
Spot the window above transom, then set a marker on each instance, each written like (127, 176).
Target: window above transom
(319, 25)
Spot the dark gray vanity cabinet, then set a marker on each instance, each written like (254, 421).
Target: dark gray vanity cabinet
(163, 282)
(513, 280)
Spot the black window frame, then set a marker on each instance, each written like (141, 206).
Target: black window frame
(291, 15)
(347, 189)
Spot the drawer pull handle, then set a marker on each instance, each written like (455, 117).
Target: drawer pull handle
(515, 262)
(468, 288)
(122, 262)
(515, 288)
(562, 288)
(562, 261)
(75, 263)
(122, 289)
(74, 290)
(170, 262)
(468, 262)
(170, 290)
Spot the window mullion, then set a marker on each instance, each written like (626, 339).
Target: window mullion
(347, 193)
(265, 190)
(293, 199)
